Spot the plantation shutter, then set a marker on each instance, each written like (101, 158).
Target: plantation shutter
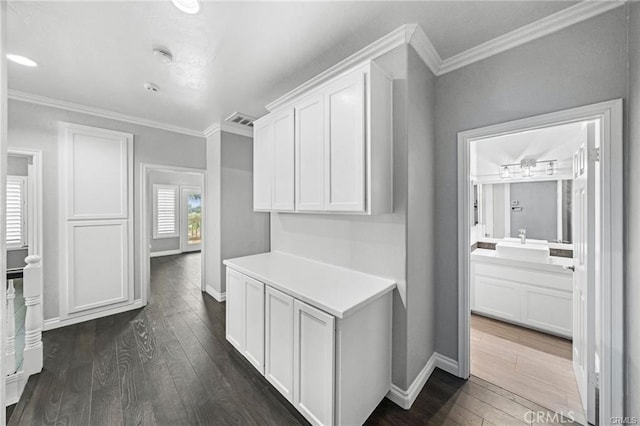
(166, 217)
(16, 212)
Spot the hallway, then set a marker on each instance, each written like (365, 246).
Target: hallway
(169, 364)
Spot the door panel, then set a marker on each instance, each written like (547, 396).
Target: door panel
(284, 170)
(584, 275)
(314, 363)
(345, 147)
(98, 264)
(254, 323)
(97, 168)
(310, 134)
(235, 319)
(262, 165)
(278, 367)
(96, 240)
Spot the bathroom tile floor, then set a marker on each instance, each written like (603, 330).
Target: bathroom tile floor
(534, 365)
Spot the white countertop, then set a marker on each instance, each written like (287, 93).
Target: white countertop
(555, 263)
(333, 289)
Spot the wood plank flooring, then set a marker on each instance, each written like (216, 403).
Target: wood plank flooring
(169, 364)
(535, 365)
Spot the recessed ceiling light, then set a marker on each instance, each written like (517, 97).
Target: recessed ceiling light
(152, 87)
(22, 60)
(187, 6)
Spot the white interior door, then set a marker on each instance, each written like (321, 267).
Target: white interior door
(96, 250)
(584, 271)
(190, 219)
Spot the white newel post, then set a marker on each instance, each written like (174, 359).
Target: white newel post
(10, 360)
(34, 320)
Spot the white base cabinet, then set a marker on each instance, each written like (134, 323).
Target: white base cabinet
(521, 294)
(245, 317)
(335, 371)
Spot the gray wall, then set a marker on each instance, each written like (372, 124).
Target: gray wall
(17, 165)
(397, 245)
(168, 178)
(632, 192)
(420, 216)
(583, 64)
(539, 214)
(233, 229)
(36, 127)
(243, 232)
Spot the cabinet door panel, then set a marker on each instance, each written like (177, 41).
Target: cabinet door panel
(254, 323)
(278, 367)
(547, 310)
(262, 165)
(235, 309)
(283, 170)
(310, 133)
(314, 363)
(496, 297)
(345, 147)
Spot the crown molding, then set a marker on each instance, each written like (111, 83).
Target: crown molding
(540, 28)
(424, 48)
(395, 38)
(226, 127)
(97, 112)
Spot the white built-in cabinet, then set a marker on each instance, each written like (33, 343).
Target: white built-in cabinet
(245, 317)
(96, 222)
(273, 162)
(533, 295)
(334, 370)
(330, 149)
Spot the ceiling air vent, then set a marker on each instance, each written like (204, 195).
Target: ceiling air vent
(241, 119)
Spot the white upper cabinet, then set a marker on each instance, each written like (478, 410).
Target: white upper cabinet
(344, 179)
(273, 159)
(283, 172)
(342, 148)
(262, 164)
(309, 165)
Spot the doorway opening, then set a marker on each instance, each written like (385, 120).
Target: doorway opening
(173, 223)
(540, 289)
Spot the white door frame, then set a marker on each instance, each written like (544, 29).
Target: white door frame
(145, 234)
(35, 212)
(184, 220)
(609, 114)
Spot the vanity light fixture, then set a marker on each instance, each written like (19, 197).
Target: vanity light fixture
(187, 6)
(22, 60)
(550, 169)
(525, 168)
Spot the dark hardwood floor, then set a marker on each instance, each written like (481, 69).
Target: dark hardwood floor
(169, 364)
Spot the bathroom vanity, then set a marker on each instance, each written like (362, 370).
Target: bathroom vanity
(320, 334)
(523, 288)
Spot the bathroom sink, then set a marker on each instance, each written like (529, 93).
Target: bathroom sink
(531, 251)
(529, 241)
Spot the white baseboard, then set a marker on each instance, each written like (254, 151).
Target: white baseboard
(165, 253)
(447, 364)
(406, 398)
(220, 297)
(58, 322)
(15, 386)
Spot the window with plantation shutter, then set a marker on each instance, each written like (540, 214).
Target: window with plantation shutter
(165, 224)
(16, 212)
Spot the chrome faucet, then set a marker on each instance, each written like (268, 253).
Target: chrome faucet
(522, 234)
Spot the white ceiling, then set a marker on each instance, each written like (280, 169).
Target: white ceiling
(549, 143)
(231, 56)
